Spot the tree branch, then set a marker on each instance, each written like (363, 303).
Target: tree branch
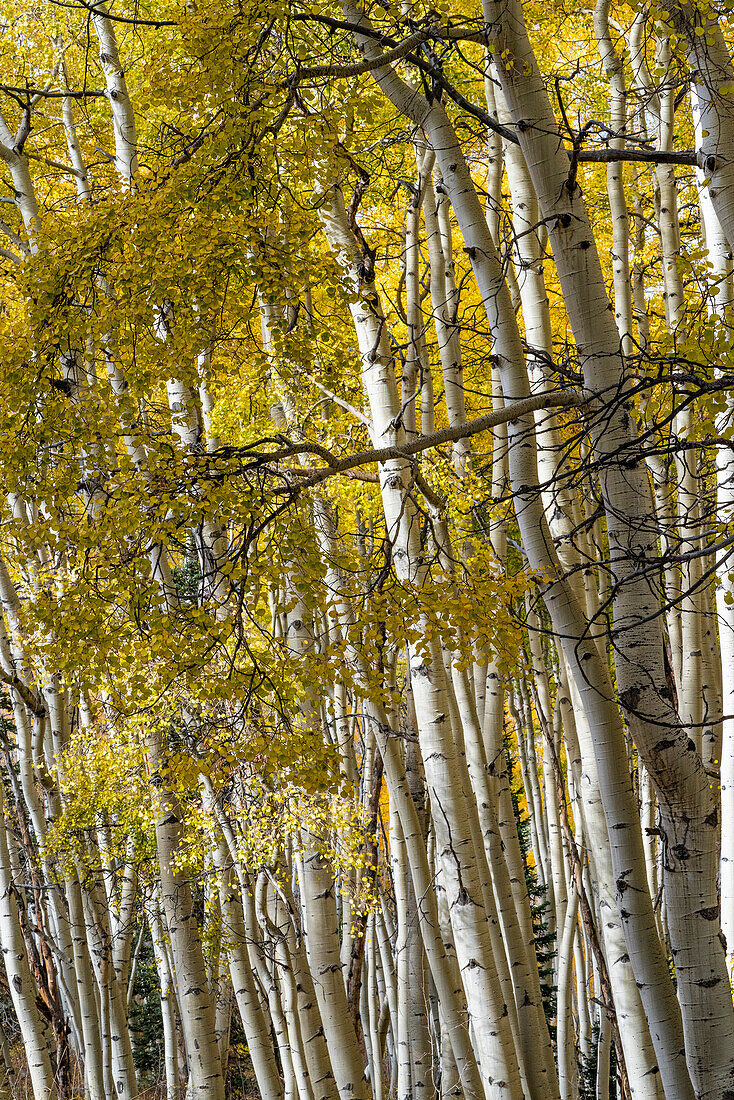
(507, 415)
(335, 465)
(595, 156)
(366, 66)
(45, 94)
(97, 9)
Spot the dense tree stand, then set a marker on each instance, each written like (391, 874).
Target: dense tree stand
(366, 535)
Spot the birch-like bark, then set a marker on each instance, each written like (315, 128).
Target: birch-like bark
(614, 69)
(316, 882)
(254, 1024)
(689, 814)
(570, 623)
(206, 1081)
(718, 739)
(112, 991)
(168, 995)
(565, 1044)
(725, 610)
(33, 1028)
(123, 116)
(442, 963)
(447, 332)
(712, 77)
(443, 765)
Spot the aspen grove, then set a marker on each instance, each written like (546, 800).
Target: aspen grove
(366, 550)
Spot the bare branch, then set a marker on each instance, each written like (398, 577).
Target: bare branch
(96, 9)
(44, 93)
(366, 66)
